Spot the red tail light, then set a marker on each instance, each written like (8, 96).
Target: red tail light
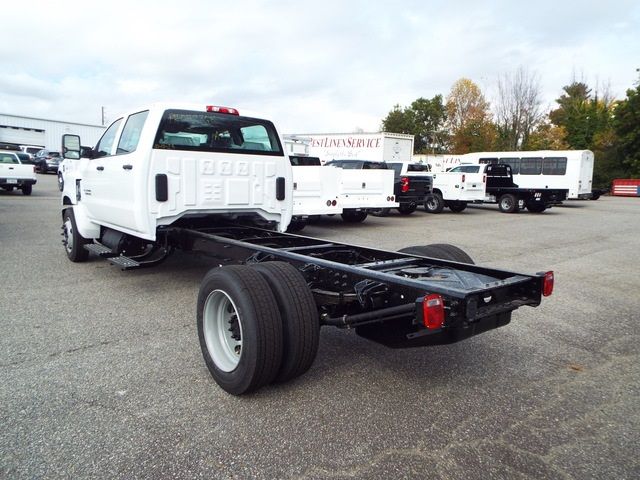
(404, 184)
(463, 177)
(547, 284)
(433, 311)
(334, 203)
(484, 179)
(216, 109)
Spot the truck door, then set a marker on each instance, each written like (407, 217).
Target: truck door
(113, 186)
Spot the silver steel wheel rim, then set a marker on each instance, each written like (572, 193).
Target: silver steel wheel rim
(432, 204)
(507, 203)
(221, 324)
(68, 235)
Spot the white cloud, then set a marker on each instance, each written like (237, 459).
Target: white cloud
(312, 66)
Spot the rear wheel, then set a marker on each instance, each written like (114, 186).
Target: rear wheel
(26, 189)
(73, 242)
(443, 251)
(595, 196)
(8, 189)
(407, 208)
(380, 212)
(239, 328)
(434, 203)
(508, 203)
(354, 216)
(457, 207)
(299, 316)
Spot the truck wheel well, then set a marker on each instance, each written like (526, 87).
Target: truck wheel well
(66, 201)
(437, 190)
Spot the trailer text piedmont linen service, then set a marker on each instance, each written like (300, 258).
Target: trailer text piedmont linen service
(213, 181)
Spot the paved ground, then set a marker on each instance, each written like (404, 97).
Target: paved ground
(101, 373)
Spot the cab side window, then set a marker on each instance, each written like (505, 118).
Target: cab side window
(105, 145)
(131, 133)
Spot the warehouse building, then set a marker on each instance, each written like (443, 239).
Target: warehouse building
(39, 132)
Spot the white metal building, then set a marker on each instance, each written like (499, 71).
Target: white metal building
(45, 133)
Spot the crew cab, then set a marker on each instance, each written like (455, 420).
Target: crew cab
(15, 174)
(211, 180)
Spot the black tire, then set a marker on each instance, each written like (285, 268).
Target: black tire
(407, 208)
(457, 207)
(508, 203)
(299, 314)
(354, 216)
(536, 207)
(26, 189)
(8, 189)
(60, 182)
(443, 251)
(239, 297)
(434, 203)
(595, 196)
(380, 212)
(296, 225)
(72, 240)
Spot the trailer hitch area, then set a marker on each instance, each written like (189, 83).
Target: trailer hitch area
(371, 294)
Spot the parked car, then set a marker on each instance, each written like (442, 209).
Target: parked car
(47, 161)
(25, 158)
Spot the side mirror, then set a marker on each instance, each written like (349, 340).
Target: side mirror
(71, 146)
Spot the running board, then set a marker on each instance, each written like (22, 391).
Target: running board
(125, 263)
(100, 250)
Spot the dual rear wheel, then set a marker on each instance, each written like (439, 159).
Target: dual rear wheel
(256, 325)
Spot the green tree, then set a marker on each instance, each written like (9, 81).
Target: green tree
(626, 125)
(424, 119)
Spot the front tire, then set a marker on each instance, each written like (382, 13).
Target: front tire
(536, 207)
(299, 316)
(443, 251)
(508, 203)
(354, 216)
(456, 206)
(434, 203)
(407, 208)
(239, 328)
(73, 242)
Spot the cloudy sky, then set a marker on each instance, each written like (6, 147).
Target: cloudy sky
(312, 66)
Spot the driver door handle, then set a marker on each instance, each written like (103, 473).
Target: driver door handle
(127, 167)
(100, 168)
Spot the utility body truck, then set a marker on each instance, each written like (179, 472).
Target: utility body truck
(321, 191)
(208, 179)
(15, 174)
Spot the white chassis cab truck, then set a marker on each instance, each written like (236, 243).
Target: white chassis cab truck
(208, 179)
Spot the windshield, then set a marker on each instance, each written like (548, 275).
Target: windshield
(216, 132)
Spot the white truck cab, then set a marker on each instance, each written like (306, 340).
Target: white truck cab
(156, 165)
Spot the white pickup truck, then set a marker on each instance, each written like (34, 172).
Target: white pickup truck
(14, 174)
(209, 180)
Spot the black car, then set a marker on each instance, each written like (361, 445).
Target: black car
(47, 161)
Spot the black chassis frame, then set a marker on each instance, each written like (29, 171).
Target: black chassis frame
(374, 291)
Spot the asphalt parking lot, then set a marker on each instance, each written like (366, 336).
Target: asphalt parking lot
(102, 376)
